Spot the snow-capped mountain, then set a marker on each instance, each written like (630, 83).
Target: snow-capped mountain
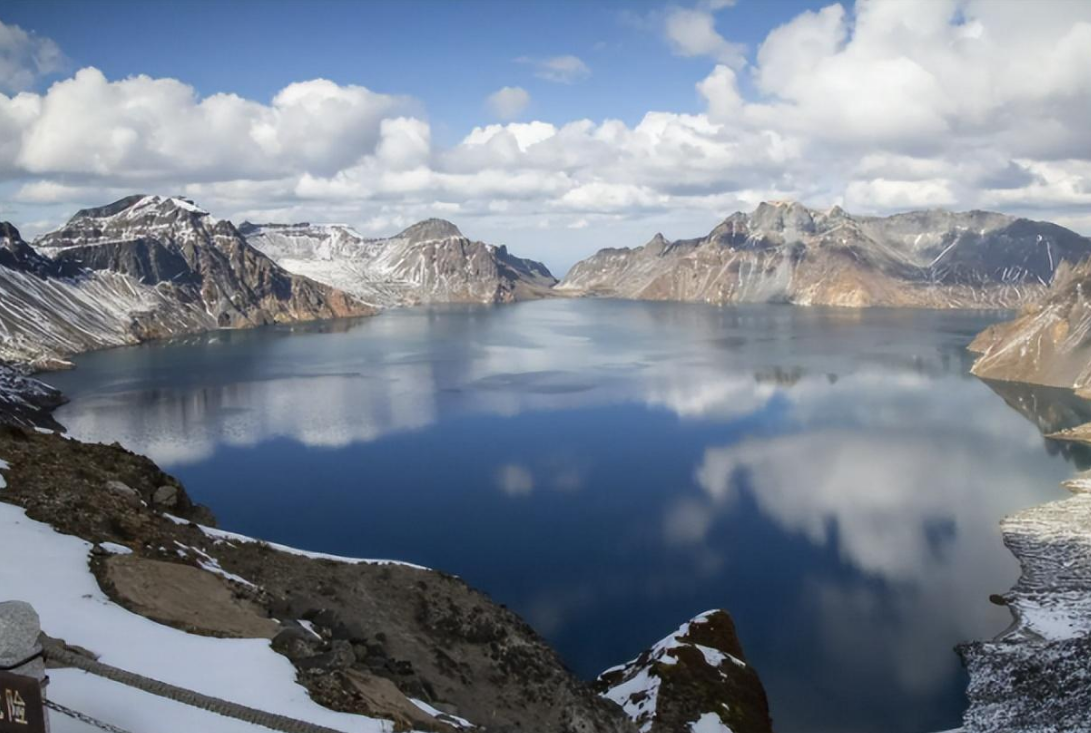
(430, 262)
(141, 268)
(785, 252)
(206, 261)
(51, 309)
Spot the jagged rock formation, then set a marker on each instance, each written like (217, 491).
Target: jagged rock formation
(27, 402)
(697, 679)
(51, 309)
(204, 260)
(785, 252)
(141, 268)
(1049, 343)
(430, 262)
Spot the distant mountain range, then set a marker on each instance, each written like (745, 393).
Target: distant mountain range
(785, 252)
(148, 267)
(430, 262)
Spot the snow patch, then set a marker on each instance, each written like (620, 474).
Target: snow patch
(709, 723)
(440, 715)
(66, 595)
(220, 534)
(115, 549)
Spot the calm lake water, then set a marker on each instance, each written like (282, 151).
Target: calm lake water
(609, 469)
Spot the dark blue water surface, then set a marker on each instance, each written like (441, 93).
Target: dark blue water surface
(609, 469)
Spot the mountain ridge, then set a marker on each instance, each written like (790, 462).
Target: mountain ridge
(143, 267)
(431, 261)
(786, 252)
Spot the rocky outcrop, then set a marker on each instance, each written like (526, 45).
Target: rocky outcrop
(430, 262)
(51, 309)
(27, 402)
(1049, 343)
(202, 260)
(697, 679)
(785, 252)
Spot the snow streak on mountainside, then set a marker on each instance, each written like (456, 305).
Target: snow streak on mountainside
(50, 310)
(785, 252)
(1049, 343)
(141, 268)
(430, 262)
(158, 240)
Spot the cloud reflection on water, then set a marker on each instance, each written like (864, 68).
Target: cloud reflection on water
(852, 441)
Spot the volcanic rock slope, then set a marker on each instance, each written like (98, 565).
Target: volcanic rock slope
(143, 267)
(170, 240)
(1049, 343)
(430, 262)
(52, 309)
(785, 252)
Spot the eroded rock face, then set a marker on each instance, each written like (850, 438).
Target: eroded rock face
(27, 402)
(53, 309)
(170, 241)
(430, 262)
(695, 679)
(785, 252)
(144, 267)
(1049, 343)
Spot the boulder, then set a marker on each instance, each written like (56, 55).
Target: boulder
(165, 497)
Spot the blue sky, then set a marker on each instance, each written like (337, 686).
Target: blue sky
(554, 127)
(449, 54)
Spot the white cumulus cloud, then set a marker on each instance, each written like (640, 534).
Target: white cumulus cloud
(960, 104)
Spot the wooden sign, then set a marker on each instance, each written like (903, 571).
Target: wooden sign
(21, 708)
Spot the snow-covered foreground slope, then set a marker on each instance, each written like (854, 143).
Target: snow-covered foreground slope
(785, 252)
(118, 560)
(430, 262)
(53, 576)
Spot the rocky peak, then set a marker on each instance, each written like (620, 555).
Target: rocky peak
(695, 679)
(429, 229)
(658, 243)
(16, 254)
(9, 235)
(782, 216)
(168, 219)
